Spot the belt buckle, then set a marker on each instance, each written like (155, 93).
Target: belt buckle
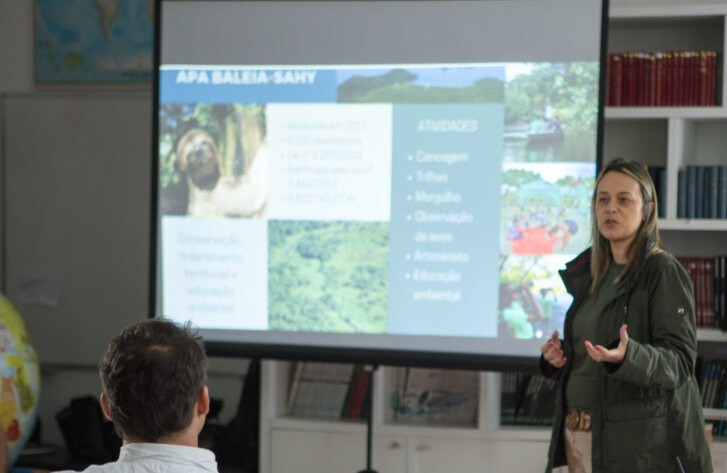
(578, 420)
(572, 420)
(585, 422)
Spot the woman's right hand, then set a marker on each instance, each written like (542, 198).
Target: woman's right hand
(553, 351)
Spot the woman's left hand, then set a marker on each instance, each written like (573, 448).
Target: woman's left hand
(599, 353)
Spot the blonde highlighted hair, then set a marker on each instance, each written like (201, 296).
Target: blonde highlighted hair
(646, 237)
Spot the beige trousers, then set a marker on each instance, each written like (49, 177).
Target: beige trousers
(578, 450)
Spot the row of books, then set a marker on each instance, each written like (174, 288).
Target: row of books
(708, 278)
(420, 396)
(529, 398)
(526, 399)
(449, 397)
(702, 192)
(713, 387)
(329, 391)
(664, 78)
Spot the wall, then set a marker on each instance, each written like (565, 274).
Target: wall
(94, 264)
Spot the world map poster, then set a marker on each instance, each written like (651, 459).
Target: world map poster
(93, 41)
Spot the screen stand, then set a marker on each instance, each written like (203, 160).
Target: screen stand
(369, 415)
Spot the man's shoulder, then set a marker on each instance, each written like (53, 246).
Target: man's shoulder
(157, 458)
(106, 468)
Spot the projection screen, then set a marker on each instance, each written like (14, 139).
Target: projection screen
(389, 181)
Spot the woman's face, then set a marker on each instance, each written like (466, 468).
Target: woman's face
(619, 208)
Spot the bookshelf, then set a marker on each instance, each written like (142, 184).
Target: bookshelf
(668, 136)
(676, 137)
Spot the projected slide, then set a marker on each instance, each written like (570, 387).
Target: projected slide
(389, 181)
(373, 199)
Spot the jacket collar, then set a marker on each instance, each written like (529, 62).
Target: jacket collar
(578, 270)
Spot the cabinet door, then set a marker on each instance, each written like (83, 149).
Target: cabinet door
(477, 456)
(334, 452)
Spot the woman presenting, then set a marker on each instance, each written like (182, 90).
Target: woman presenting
(628, 399)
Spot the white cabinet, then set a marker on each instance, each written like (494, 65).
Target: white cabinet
(331, 451)
(435, 455)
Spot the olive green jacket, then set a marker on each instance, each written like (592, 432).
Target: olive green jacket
(650, 417)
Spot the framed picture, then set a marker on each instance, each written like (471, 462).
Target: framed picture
(93, 42)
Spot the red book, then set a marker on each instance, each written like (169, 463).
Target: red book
(667, 78)
(625, 78)
(679, 81)
(687, 78)
(615, 75)
(631, 79)
(354, 400)
(712, 82)
(709, 318)
(659, 79)
(650, 79)
(693, 84)
(699, 291)
(703, 78)
(705, 270)
(642, 80)
(671, 76)
(607, 95)
(690, 265)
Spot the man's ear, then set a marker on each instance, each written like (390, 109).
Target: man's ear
(105, 406)
(203, 402)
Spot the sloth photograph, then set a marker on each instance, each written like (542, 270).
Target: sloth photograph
(213, 161)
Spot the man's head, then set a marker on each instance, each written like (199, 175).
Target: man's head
(153, 378)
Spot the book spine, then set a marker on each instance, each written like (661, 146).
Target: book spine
(687, 79)
(712, 67)
(703, 74)
(708, 292)
(631, 81)
(682, 193)
(706, 382)
(699, 193)
(678, 73)
(722, 191)
(658, 79)
(717, 263)
(668, 90)
(691, 191)
(354, 391)
(699, 291)
(722, 289)
(712, 191)
(615, 76)
(693, 78)
(508, 397)
(661, 192)
(645, 79)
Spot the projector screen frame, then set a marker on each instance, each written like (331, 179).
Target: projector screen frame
(343, 354)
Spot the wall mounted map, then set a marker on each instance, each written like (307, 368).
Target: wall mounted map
(93, 41)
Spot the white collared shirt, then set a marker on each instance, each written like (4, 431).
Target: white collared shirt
(158, 458)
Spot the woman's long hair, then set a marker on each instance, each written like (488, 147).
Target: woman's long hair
(647, 237)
